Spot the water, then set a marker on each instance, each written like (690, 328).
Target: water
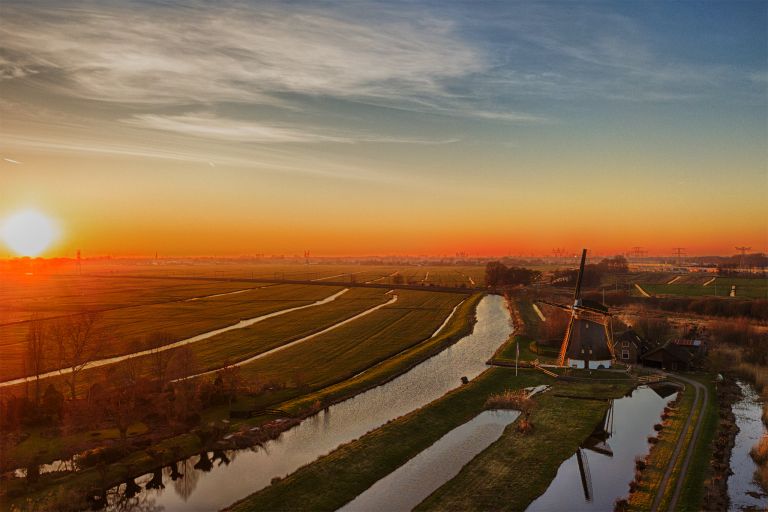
(748, 413)
(633, 420)
(251, 470)
(412, 482)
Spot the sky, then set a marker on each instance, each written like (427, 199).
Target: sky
(383, 128)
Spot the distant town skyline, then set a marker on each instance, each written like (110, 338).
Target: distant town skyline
(386, 128)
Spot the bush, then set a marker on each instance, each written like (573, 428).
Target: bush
(759, 452)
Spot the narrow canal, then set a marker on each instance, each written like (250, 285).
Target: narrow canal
(247, 471)
(600, 472)
(743, 491)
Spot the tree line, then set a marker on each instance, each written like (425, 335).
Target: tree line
(498, 274)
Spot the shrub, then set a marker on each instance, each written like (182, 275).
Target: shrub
(510, 399)
(759, 452)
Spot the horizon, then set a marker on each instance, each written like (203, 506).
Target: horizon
(386, 128)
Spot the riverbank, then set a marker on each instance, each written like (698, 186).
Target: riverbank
(62, 491)
(528, 460)
(650, 475)
(354, 467)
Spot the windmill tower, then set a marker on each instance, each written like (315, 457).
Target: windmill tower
(588, 342)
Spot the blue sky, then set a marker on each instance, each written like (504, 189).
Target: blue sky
(371, 99)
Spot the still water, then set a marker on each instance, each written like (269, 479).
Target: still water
(247, 471)
(412, 482)
(743, 491)
(610, 464)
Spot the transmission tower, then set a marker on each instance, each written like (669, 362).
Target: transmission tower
(638, 252)
(680, 251)
(79, 264)
(743, 250)
(306, 257)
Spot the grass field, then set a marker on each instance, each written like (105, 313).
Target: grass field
(342, 353)
(125, 330)
(721, 287)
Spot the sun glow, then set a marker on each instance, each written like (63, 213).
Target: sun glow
(28, 232)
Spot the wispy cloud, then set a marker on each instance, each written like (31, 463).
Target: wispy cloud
(265, 162)
(147, 54)
(209, 126)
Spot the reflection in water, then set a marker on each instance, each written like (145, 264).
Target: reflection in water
(599, 473)
(412, 482)
(185, 485)
(254, 469)
(743, 491)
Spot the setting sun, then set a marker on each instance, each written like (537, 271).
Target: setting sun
(28, 233)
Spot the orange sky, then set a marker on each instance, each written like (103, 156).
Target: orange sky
(490, 131)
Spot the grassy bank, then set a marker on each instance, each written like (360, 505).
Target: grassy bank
(692, 492)
(354, 467)
(518, 468)
(531, 461)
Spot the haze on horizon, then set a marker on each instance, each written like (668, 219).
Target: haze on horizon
(361, 128)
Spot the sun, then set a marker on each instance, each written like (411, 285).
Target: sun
(28, 232)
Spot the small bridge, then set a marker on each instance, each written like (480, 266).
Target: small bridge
(650, 379)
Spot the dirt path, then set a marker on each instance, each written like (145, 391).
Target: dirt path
(296, 342)
(116, 359)
(643, 292)
(699, 403)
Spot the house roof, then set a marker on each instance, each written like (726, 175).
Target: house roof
(687, 343)
(630, 336)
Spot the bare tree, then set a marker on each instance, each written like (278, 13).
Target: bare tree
(37, 345)
(119, 404)
(160, 359)
(78, 342)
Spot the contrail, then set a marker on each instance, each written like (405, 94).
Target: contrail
(11, 161)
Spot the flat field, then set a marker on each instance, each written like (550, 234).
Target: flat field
(746, 288)
(125, 330)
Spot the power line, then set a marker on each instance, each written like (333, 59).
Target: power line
(680, 251)
(743, 250)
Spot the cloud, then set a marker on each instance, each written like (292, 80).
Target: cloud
(263, 162)
(149, 54)
(209, 126)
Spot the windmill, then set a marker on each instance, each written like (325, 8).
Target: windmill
(596, 442)
(587, 342)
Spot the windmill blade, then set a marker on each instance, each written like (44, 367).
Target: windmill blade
(586, 477)
(554, 304)
(592, 310)
(577, 293)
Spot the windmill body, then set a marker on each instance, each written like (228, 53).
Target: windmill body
(587, 343)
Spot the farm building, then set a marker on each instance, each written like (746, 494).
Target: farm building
(628, 347)
(668, 356)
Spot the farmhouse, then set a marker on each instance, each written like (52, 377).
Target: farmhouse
(628, 347)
